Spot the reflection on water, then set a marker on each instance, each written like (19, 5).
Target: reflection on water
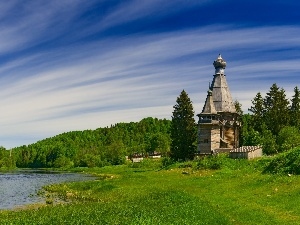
(20, 188)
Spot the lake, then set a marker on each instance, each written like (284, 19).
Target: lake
(20, 188)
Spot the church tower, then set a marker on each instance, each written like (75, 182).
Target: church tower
(218, 126)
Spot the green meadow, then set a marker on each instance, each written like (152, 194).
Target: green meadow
(216, 190)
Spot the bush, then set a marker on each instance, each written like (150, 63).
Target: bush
(288, 138)
(222, 161)
(166, 161)
(63, 162)
(89, 160)
(213, 162)
(287, 162)
(7, 162)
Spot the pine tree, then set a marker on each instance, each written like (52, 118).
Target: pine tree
(277, 109)
(295, 109)
(238, 107)
(258, 111)
(183, 129)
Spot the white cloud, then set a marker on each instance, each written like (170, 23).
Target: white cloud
(125, 79)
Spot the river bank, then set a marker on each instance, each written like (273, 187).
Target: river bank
(21, 187)
(182, 193)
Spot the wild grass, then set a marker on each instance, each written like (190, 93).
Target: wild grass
(237, 192)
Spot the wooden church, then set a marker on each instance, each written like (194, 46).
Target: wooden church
(218, 126)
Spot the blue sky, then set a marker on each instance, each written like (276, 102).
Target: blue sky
(75, 65)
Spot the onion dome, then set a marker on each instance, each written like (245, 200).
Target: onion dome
(219, 65)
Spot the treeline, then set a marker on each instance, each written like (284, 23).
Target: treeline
(274, 121)
(100, 147)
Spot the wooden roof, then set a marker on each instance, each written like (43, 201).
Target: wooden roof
(221, 94)
(209, 107)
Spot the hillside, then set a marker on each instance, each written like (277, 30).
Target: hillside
(103, 146)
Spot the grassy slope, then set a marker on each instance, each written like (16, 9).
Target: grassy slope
(150, 196)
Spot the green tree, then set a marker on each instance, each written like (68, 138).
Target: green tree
(268, 141)
(295, 109)
(238, 107)
(115, 153)
(277, 109)
(158, 143)
(249, 136)
(63, 162)
(288, 138)
(258, 112)
(183, 129)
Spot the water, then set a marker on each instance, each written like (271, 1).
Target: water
(20, 188)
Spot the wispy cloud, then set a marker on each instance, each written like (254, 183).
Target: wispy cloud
(52, 82)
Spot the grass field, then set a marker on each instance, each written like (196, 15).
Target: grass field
(186, 193)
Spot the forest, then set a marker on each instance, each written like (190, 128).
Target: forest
(273, 123)
(93, 148)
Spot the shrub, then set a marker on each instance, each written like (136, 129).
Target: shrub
(63, 162)
(288, 138)
(89, 160)
(287, 162)
(166, 161)
(214, 162)
(7, 162)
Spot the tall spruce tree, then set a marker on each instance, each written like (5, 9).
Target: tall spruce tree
(277, 109)
(295, 109)
(238, 108)
(183, 129)
(258, 111)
